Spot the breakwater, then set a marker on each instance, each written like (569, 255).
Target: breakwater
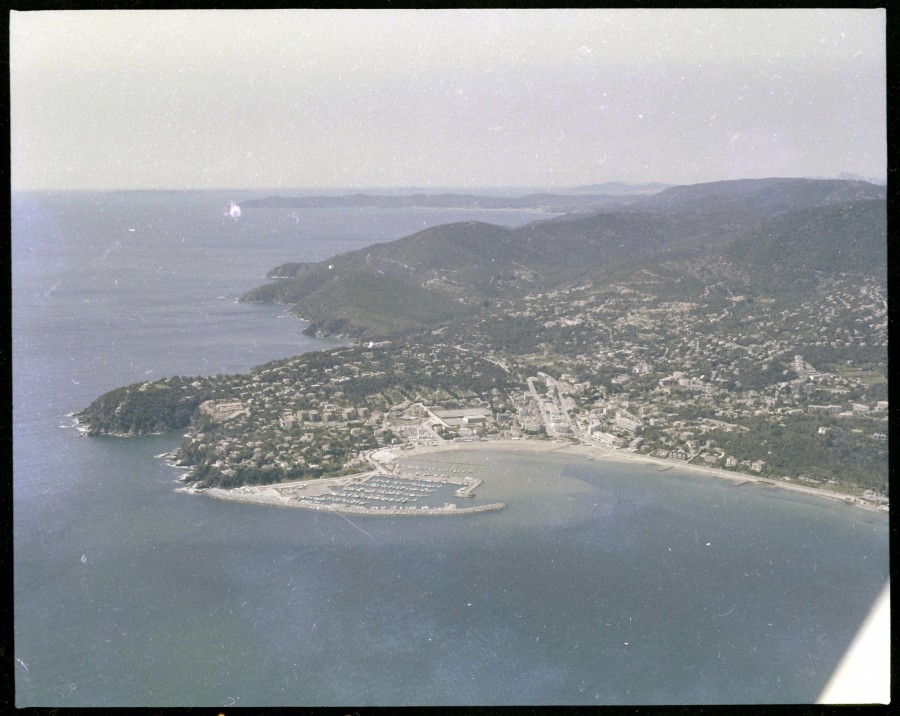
(448, 509)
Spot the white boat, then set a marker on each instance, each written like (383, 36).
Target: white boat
(234, 211)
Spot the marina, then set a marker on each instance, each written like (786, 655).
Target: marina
(371, 494)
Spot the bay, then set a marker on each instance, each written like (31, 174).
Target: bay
(595, 585)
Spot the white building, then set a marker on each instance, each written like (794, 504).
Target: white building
(629, 425)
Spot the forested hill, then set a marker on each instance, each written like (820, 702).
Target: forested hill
(763, 197)
(456, 270)
(848, 238)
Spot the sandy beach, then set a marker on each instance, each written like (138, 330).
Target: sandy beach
(607, 454)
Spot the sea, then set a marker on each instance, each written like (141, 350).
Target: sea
(601, 582)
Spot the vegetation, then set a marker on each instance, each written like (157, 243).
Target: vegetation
(142, 408)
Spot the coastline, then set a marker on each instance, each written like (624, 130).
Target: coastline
(385, 460)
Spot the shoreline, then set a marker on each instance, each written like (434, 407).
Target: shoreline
(385, 460)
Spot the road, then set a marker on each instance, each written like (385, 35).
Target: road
(499, 363)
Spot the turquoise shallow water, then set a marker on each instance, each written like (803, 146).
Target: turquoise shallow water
(599, 583)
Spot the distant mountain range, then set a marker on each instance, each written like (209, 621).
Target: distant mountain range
(764, 197)
(551, 203)
(617, 188)
(849, 176)
(754, 227)
(578, 199)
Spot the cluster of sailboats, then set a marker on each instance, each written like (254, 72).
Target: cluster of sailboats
(379, 489)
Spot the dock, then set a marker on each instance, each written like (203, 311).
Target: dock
(468, 490)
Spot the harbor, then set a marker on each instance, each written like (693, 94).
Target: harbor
(375, 493)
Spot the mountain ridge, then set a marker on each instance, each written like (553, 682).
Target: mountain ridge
(455, 268)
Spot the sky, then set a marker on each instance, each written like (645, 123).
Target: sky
(150, 99)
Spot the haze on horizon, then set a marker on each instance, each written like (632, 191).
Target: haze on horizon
(143, 99)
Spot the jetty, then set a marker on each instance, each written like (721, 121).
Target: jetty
(469, 489)
(423, 511)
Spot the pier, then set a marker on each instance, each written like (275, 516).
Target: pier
(469, 489)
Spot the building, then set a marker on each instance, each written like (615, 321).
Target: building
(462, 417)
(531, 423)
(608, 439)
(824, 409)
(629, 424)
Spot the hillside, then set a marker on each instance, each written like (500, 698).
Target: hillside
(353, 302)
(430, 277)
(848, 238)
(454, 270)
(763, 197)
